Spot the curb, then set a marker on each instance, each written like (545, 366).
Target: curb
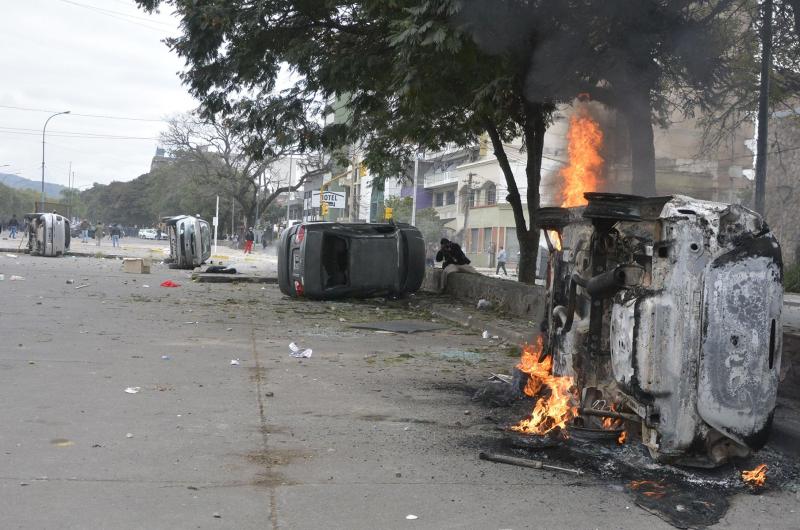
(201, 277)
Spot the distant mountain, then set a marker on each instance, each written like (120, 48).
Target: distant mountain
(20, 183)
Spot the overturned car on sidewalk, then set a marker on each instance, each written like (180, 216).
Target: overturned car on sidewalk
(326, 260)
(669, 308)
(189, 241)
(48, 234)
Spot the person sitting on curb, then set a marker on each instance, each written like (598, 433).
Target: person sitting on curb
(454, 260)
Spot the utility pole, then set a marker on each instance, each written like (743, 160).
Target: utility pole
(353, 203)
(467, 205)
(763, 107)
(41, 206)
(69, 191)
(289, 193)
(414, 191)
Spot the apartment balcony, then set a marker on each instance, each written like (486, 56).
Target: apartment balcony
(442, 178)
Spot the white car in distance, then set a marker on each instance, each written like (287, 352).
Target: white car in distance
(147, 233)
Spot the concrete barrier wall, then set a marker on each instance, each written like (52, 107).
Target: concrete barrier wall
(516, 299)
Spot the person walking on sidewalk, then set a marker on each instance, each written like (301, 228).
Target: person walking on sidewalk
(13, 225)
(454, 260)
(115, 232)
(249, 237)
(502, 257)
(84, 231)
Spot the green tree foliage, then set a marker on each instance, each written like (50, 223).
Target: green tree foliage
(427, 219)
(15, 202)
(426, 73)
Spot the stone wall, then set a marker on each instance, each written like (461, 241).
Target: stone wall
(516, 299)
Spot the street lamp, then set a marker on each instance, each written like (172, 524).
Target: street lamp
(43, 131)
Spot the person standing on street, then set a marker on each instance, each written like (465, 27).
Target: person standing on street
(454, 260)
(13, 225)
(502, 257)
(98, 233)
(115, 232)
(249, 237)
(84, 231)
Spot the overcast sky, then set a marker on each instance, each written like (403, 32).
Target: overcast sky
(97, 57)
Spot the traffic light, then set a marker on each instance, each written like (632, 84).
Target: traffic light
(323, 208)
(387, 213)
(362, 170)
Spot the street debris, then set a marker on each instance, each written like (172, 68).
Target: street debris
(216, 515)
(484, 304)
(169, 283)
(220, 269)
(145, 286)
(165, 357)
(295, 351)
(15, 278)
(62, 442)
(485, 334)
(399, 326)
(503, 378)
(136, 265)
(129, 435)
(2, 277)
(81, 286)
(524, 462)
(234, 362)
(12, 256)
(70, 282)
(411, 517)
(133, 389)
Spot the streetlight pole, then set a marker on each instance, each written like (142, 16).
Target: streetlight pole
(43, 131)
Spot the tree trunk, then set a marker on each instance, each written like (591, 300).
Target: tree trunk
(534, 131)
(638, 115)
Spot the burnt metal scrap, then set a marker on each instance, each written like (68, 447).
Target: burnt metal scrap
(671, 308)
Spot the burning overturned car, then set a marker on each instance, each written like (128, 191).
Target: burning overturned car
(666, 313)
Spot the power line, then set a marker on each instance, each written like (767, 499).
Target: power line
(80, 136)
(102, 116)
(124, 17)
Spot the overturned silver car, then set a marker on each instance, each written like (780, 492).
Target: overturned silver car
(671, 308)
(48, 234)
(189, 241)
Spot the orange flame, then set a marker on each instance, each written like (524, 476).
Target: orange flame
(612, 423)
(757, 476)
(585, 139)
(551, 412)
(555, 239)
(654, 490)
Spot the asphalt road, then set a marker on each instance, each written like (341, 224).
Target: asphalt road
(372, 428)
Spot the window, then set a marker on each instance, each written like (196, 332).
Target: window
(487, 239)
(473, 240)
(472, 195)
(438, 199)
(451, 197)
(491, 196)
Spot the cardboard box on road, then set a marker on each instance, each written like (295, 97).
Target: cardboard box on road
(136, 265)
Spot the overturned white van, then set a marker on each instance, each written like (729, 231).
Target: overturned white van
(189, 241)
(48, 234)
